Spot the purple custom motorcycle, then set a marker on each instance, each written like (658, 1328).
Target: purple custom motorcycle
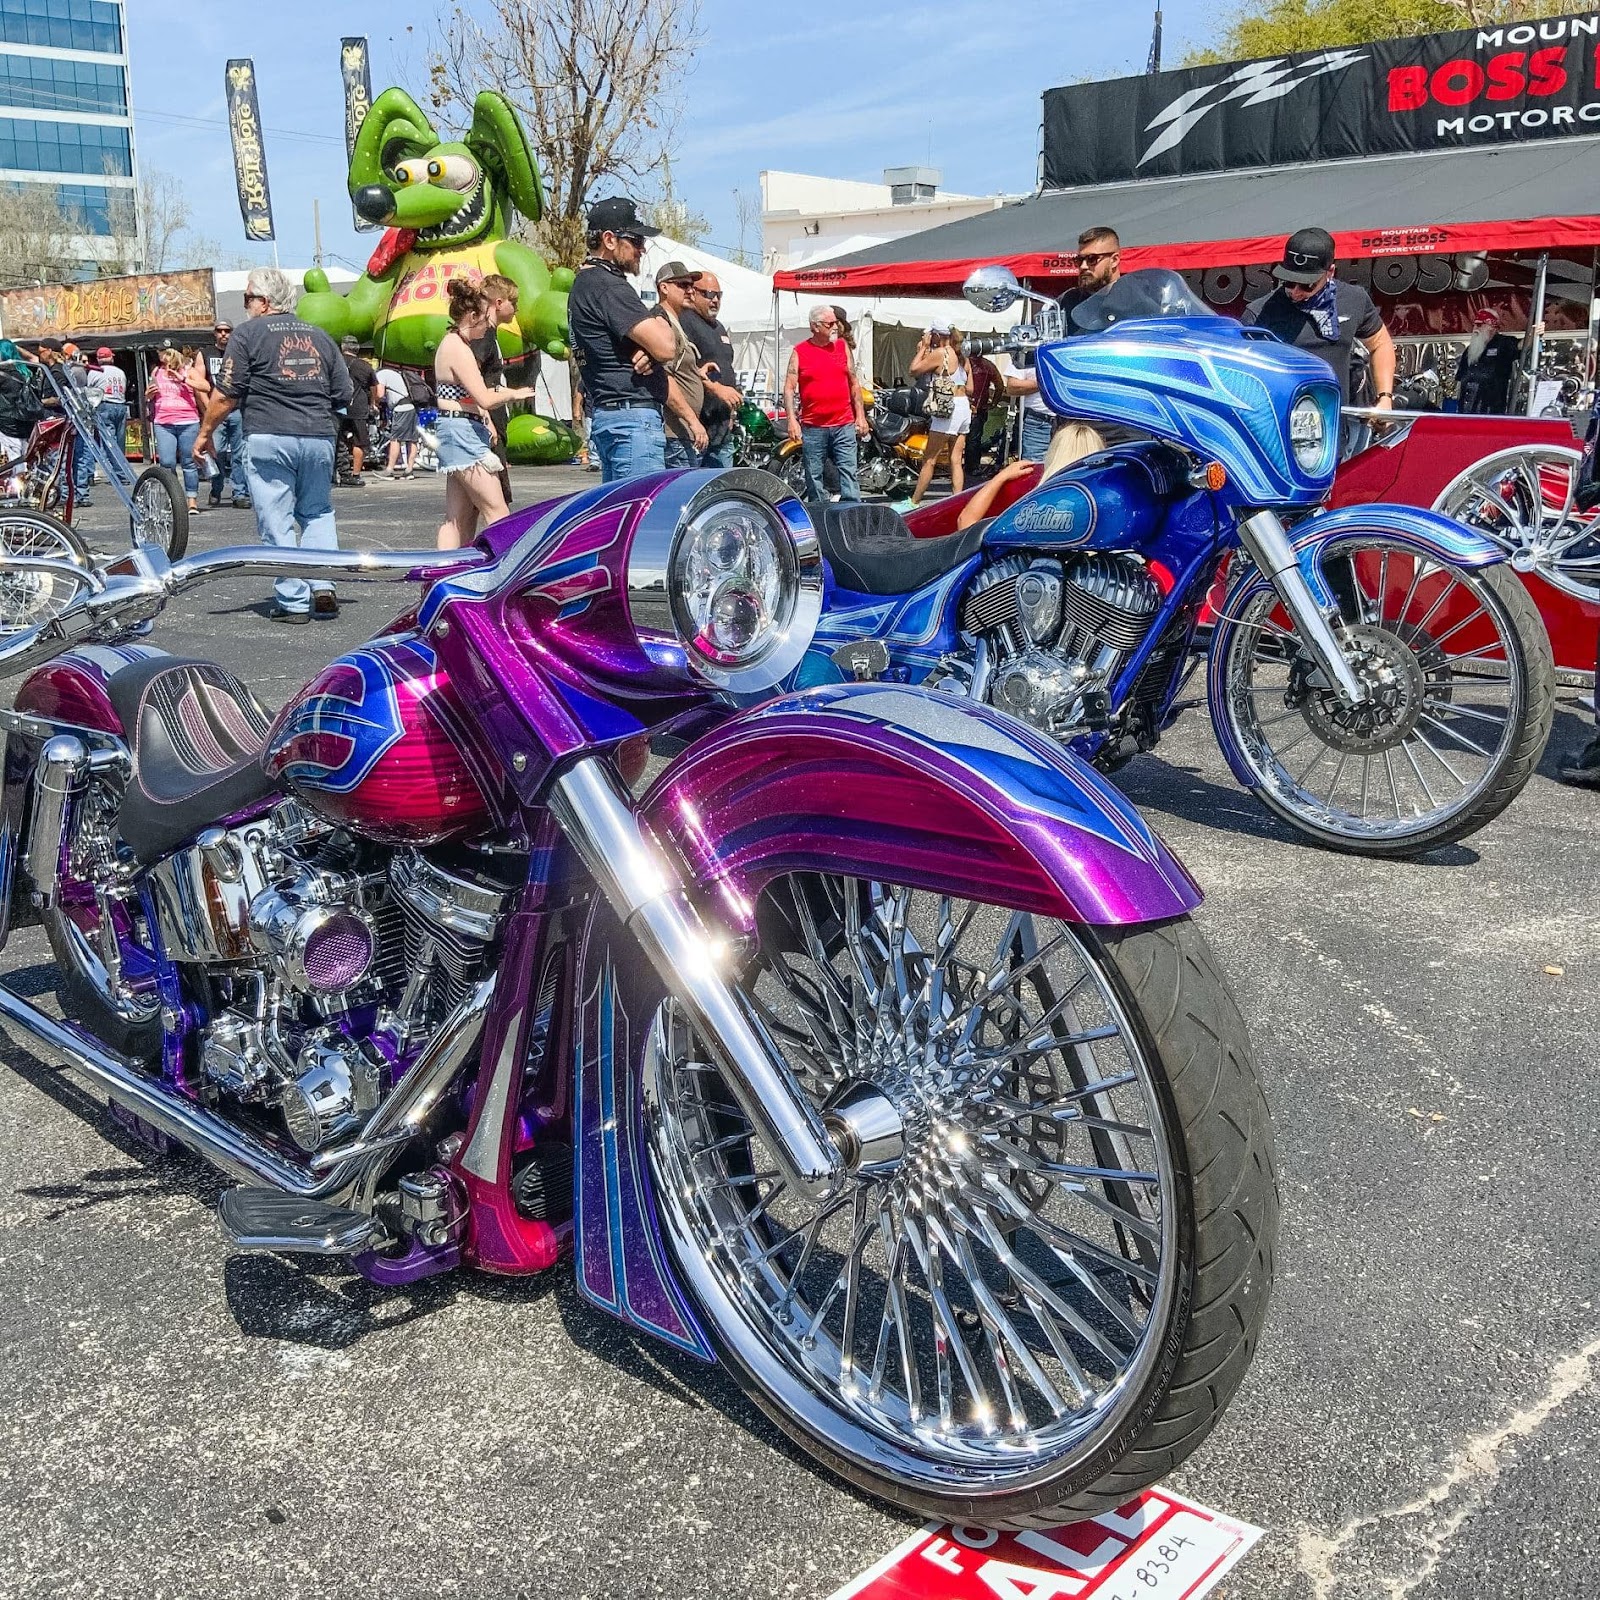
(864, 1044)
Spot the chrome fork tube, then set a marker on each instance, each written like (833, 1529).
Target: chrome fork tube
(597, 814)
(58, 785)
(1267, 541)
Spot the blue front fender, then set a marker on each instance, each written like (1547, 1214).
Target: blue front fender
(1423, 533)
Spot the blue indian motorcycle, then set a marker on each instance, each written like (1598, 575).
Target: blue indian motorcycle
(1379, 677)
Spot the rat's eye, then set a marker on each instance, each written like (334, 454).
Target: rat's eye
(453, 172)
(411, 171)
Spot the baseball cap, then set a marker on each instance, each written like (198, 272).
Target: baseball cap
(105, 353)
(940, 326)
(349, 344)
(69, 350)
(675, 272)
(1486, 315)
(618, 215)
(224, 326)
(1308, 254)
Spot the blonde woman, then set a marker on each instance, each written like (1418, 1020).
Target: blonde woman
(940, 354)
(472, 493)
(1071, 443)
(174, 409)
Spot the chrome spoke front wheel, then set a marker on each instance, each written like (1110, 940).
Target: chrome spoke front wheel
(1439, 652)
(1524, 500)
(983, 1302)
(30, 598)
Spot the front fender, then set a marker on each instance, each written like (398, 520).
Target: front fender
(914, 787)
(906, 786)
(1424, 533)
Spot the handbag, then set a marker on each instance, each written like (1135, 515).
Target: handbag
(941, 396)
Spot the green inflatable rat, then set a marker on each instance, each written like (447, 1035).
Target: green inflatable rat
(449, 209)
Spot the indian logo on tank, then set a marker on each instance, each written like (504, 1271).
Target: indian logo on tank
(1067, 513)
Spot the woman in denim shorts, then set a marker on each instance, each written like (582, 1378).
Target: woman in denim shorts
(466, 435)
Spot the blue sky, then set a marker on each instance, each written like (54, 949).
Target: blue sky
(836, 88)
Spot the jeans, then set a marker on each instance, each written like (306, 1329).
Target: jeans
(175, 451)
(1037, 427)
(229, 440)
(820, 444)
(680, 454)
(291, 480)
(719, 455)
(630, 442)
(111, 422)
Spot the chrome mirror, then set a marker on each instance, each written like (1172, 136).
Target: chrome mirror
(993, 288)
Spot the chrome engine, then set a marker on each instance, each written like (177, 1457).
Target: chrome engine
(330, 962)
(1057, 632)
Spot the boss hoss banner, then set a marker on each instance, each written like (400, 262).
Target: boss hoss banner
(355, 68)
(1489, 85)
(249, 150)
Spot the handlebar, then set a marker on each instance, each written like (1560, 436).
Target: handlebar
(137, 586)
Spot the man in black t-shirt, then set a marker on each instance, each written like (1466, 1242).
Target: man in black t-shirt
(358, 416)
(1487, 366)
(620, 345)
(701, 322)
(290, 381)
(1316, 311)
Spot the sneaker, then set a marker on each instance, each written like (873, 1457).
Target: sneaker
(283, 614)
(241, 502)
(1582, 767)
(324, 603)
(83, 500)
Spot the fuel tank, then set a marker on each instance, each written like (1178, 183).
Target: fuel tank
(1107, 502)
(376, 743)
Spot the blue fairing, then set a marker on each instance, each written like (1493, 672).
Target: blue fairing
(1223, 391)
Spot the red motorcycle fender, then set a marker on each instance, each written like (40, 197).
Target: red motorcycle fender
(915, 787)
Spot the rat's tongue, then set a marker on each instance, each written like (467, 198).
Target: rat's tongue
(395, 243)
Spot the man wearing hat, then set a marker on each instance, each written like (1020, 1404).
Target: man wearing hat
(358, 414)
(230, 431)
(1487, 366)
(686, 396)
(1315, 310)
(111, 415)
(620, 346)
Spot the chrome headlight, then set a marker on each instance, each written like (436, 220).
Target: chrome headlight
(1308, 434)
(741, 579)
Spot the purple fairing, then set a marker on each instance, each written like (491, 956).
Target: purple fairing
(914, 787)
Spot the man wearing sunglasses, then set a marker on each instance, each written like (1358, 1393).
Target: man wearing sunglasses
(1317, 311)
(1099, 261)
(702, 321)
(621, 347)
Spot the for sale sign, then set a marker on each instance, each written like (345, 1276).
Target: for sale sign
(1513, 81)
(1158, 1547)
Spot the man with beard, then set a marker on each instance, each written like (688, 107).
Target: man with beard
(1487, 366)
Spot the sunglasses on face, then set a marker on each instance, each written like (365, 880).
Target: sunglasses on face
(709, 294)
(635, 239)
(1087, 258)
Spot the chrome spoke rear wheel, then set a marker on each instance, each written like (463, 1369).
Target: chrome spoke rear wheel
(1524, 500)
(984, 1310)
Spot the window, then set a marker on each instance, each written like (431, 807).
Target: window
(66, 24)
(43, 84)
(64, 147)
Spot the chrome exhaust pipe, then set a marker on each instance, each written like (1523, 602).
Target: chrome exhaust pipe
(240, 1154)
(598, 816)
(58, 785)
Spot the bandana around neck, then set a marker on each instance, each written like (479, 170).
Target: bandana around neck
(1323, 309)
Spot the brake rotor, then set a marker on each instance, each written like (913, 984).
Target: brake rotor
(1397, 682)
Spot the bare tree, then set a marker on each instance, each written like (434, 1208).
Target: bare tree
(747, 215)
(595, 81)
(39, 241)
(166, 216)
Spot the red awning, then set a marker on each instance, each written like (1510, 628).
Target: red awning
(1444, 202)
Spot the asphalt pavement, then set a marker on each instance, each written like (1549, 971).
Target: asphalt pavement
(1420, 1422)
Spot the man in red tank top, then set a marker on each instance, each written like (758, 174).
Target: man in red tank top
(822, 397)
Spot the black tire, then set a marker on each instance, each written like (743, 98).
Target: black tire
(161, 514)
(1531, 657)
(1224, 1238)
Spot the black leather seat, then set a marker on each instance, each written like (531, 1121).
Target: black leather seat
(872, 551)
(196, 733)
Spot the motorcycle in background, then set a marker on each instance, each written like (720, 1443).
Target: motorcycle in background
(1378, 676)
(868, 1049)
